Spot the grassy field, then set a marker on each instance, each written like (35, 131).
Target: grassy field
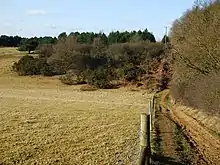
(10, 51)
(45, 122)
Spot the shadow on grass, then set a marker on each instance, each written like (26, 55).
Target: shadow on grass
(162, 160)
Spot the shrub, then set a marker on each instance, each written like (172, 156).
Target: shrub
(45, 51)
(199, 91)
(128, 53)
(196, 49)
(28, 65)
(163, 75)
(133, 73)
(95, 62)
(21, 48)
(88, 88)
(208, 93)
(195, 39)
(63, 53)
(100, 77)
(71, 78)
(47, 70)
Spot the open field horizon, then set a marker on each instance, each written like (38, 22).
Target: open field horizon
(43, 121)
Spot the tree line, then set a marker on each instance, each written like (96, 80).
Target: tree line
(17, 41)
(112, 37)
(84, 37)
(96, 59)
(196, 51)
(10, 41)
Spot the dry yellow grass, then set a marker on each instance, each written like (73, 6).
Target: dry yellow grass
(211, 122)
(10, 51)
(45, 122)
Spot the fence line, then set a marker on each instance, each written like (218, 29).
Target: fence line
(146, 128)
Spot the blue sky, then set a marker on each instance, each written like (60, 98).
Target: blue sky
(50, 17)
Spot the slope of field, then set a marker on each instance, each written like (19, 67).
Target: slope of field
(45, 122)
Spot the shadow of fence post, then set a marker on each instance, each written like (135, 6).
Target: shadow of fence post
(147, 125)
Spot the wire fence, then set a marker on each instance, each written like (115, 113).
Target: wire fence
(146, 129)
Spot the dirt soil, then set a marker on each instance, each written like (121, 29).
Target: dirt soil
(170, 144)
(207, 144)
(166, 132)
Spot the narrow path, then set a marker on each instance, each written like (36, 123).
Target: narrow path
(166, 131)
(207, 144)
(175, 146)
(206, 147)
(167, 128)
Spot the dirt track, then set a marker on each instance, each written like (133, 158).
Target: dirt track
(166, 128)
(207, 144)
(171, 147)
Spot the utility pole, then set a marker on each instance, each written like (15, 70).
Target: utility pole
(166, 36)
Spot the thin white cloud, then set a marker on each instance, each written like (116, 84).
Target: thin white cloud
(36, 12)
(7, 24)
(51, 26)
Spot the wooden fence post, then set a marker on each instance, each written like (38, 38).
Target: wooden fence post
(150, 112)
(145, 140)
(153, 106)
(153, 111)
